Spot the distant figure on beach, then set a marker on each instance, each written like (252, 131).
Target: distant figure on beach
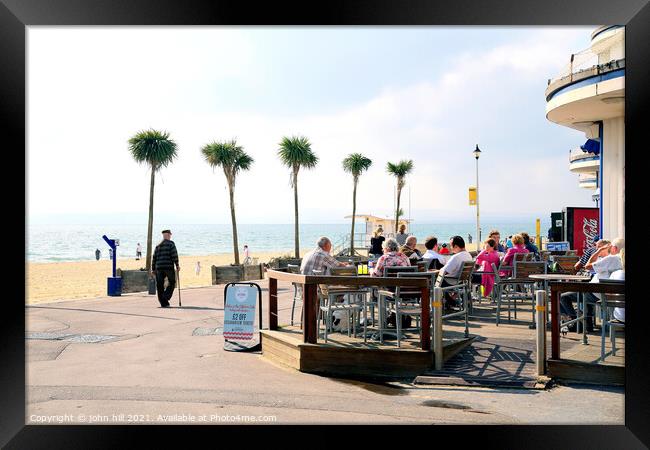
(247, 256)
(319, 258)
(98, 254)
(469, 238)
(401, 236)
(162, 265)
(376, 242)
(197, 268)
(138, 251)
(110, 254)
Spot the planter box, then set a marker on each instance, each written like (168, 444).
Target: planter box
(283, 262)
(232, 274)
(134, 280)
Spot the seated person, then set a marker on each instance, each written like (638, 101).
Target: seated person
(508, 260)
(437, 260)
(619, 313)
(392, 257)
(319, 258)
(532, 248)
(452, 269)
(496, 235)
(604, 261)
(588, 253)
(409, 249)
(485, 259)
(444, 250)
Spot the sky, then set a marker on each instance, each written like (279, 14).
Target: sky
(429, 94)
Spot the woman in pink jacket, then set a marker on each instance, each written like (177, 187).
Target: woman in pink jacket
(517, 247)
(485, 259)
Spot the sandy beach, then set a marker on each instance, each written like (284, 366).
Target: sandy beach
(49, 282)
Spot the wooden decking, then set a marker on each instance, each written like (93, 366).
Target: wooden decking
(498, 356)
(349, 356)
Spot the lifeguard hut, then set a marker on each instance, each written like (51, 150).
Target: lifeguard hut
(362, 240)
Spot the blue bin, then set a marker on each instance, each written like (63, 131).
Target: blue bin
(114, 286)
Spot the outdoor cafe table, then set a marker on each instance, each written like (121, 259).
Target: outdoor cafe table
(311, 304)
(546, 277)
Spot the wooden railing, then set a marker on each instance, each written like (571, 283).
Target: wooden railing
(557, 288)
(311, 305)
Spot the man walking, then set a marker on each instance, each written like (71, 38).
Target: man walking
(164, 258)
(138, 251)
(98, 254)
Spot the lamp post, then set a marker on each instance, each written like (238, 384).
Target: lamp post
(476, 154)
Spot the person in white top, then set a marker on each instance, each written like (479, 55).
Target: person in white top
(451, 270)
(619, 313)
(247, 257)
(402, 235)
(604, 262)
(431, 244)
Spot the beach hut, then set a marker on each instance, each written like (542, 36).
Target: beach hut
(362, 240)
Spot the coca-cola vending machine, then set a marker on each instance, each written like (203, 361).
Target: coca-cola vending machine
(581, 228)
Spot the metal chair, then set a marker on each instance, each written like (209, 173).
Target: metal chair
(297, 292)
(382, 294)
(515, 288)
(328, 296)
(462, 286)
(611, 301)
(565, 264)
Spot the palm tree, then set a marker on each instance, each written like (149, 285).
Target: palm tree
(154, 148)
(400, 170)
(232, 158)
(295, 152)
(355, 164)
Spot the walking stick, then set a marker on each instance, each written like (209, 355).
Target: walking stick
(178, 279)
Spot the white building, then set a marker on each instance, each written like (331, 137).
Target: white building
(589, 95)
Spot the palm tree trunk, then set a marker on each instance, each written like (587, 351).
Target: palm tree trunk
(295, 201)
(231, 187)
(150, 225)
(354, 211)
(399, 194)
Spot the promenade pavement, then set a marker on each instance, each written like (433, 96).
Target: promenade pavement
(157, 367)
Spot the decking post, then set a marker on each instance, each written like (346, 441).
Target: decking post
(540, 307)
(437, 327)
(273, 303)
(555, 322)
(310, 308)
(425, 343)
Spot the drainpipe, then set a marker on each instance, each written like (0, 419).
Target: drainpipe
(601, 200)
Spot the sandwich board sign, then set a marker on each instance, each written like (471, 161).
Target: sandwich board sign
(240, 331)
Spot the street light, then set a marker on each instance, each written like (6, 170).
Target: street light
(476, 154)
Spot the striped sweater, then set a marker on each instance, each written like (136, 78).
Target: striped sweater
(165, 256)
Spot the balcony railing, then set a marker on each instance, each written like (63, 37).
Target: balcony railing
(577, 155)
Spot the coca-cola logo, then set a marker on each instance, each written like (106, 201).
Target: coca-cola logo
(590, 231)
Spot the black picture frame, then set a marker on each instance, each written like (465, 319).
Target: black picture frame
(15, 15)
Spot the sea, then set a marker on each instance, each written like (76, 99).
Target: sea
(58, 243)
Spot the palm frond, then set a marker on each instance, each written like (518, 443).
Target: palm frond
(295, 152)
(356, 163)
(153, 147)
(401, 169)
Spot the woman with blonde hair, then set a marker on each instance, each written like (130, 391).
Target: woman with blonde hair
(376, 242)
(517, 247)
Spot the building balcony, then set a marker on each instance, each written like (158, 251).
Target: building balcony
(591, 87)
(588, 180)
(583, 162)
